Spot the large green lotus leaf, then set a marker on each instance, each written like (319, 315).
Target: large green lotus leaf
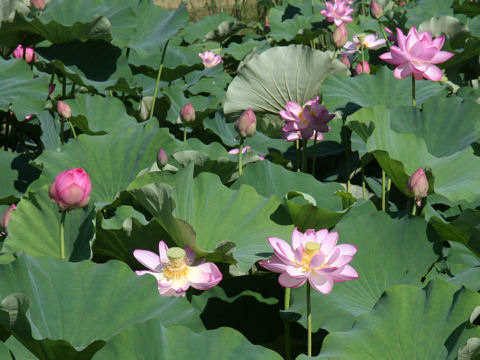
(112, 161)
(180, 343)
(18, 350)
(97, 115)
(195, 31)
(390, 252)
(265, 84)
(19, 89)
(219, 216)
(50, 124)
(408, 322)
(424, 10)
(35, 228)
(238, 51)
(85, 302)
(401, 154)
(17, 174)
(4, 351)
(351, 93)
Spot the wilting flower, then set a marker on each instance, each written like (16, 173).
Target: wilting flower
(244, 149)
(6, 217)
(362, 68)
(338, 12)
(174, 270)
(416, 54)
(64, 110)
(340, 36)
(246, 124)
(30, 55)
(370, 41)
(162, 158)
(71, 189)
(376, 10)
(303, 121)
(210, 59)
(313, 256)
(417, 186)
(187, 113)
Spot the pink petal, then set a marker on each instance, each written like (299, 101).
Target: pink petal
(441, 56)
(294, 107)
(401, 39)
(282, 250)
(438, 42)
(204, 276)
(286, 281)
(296, 271)
(317, 260)
(273, 264)
(347, 249)
(321, 235)
(341, 261)
(402, 71)
(143, 272)
(190, 254)
(433, 73)
(329, 242)
(321, 283)
(162, 251)
(345, 273)
(147, 258)
(297, 239)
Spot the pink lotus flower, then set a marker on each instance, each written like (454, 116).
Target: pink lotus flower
(376, 10)
(4, 220)
(64, 110)
(362, 68)
(210, 59)
(30, 55)
(391, 37)
(174, 271)
(370, 41)
(246, 124)
(303, 121)
(417, 186)
(313, 256)
(340, 36)
(187, 113)
(416, 54)
(236, 151)
(37, 4)
(338, 12)
(71, 189)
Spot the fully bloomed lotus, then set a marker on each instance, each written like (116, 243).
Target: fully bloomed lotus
(417, 54)
(175, 271)
(338, 12)
(313, 256)
(210, 59)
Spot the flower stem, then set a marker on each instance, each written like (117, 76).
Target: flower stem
(240, 156)
(414, 208)
(309, 321)
(62, 234)
(383, 190)
(363, 182)
(297, 146)
(414, 101)
(73, 129)
(314, 153)
(287, 325)
(384, 34)
(304, 155)
(184, 133)
(159, 74)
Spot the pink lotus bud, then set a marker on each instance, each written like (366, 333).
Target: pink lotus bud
(162, 158)
(187, 114)
(51, 88)
(30, 55)
(266, 27)
(64, 110)
(362, 67)
(417, 186)
(346, 62)
(6, 217)
(246, 124)
(376, 10)
(340, 36)
(71, 189)
(37, 4)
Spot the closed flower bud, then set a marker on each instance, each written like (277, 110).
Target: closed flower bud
(340, 36)
(162, 158)
(246, 124)
(64, 110)
(25, 53)
(417, 186)
(346, 62)
(362, 67)
(187, 114)
(71, 189)
(376, 10)
(6, 217)
(37, 4)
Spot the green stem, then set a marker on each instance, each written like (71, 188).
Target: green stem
(309, 320)
(389, 186)
(73, 129)
(314, 153)
(62, 129)
(363, 59)
(297, 146)
(185, 133)
(383, 190)
(287, 325)
(242, 140)
(62, 234)
(385, 36)
(364, 191)
(159, 74)
(64, 86)
(414, 208)
(304, 155)
(414, 102)
(72, 90)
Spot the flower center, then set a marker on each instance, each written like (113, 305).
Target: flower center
(309, 251)
(177, 268)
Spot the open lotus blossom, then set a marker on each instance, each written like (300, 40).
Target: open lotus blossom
(313, 256)
(71, 189)
(244, 149)
(210, 59)
(174, 270)
(369, 41)
(30, 55)
(416, 54)
(338, 12)
(303, 121)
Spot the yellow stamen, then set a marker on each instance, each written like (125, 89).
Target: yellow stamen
(177, 267)
(309, 251)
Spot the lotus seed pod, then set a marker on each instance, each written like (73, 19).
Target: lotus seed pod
(246, 124)
(64, 110)
(162, 158)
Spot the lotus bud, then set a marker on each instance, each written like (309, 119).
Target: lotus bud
(6, 217)
(71, 189)
(51, 89)
(346, 62)
(162, 158)
(362, 67)
(64, 110)
(246, 124)
(187, 114)
(30, 55)
(340, 36)
(417, 186)
(37, 4)
(266, 27)
(376, 9)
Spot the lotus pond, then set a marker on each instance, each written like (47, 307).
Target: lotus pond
(305, 186)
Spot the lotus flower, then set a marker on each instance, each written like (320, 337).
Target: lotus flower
(302, 122)
(313, 256)
(362, 68)
(162, 158)
(71, 189)
(417, 186)
(244, 149)
(174, 270)
(340, 36)
(338, 12)
(187, 113)
(376, 10)
(37, 4)
(370, 41)
(30, 55)
(210, 59)
(246, 124)
(4, 220)
(416, 54)
(64, 110)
